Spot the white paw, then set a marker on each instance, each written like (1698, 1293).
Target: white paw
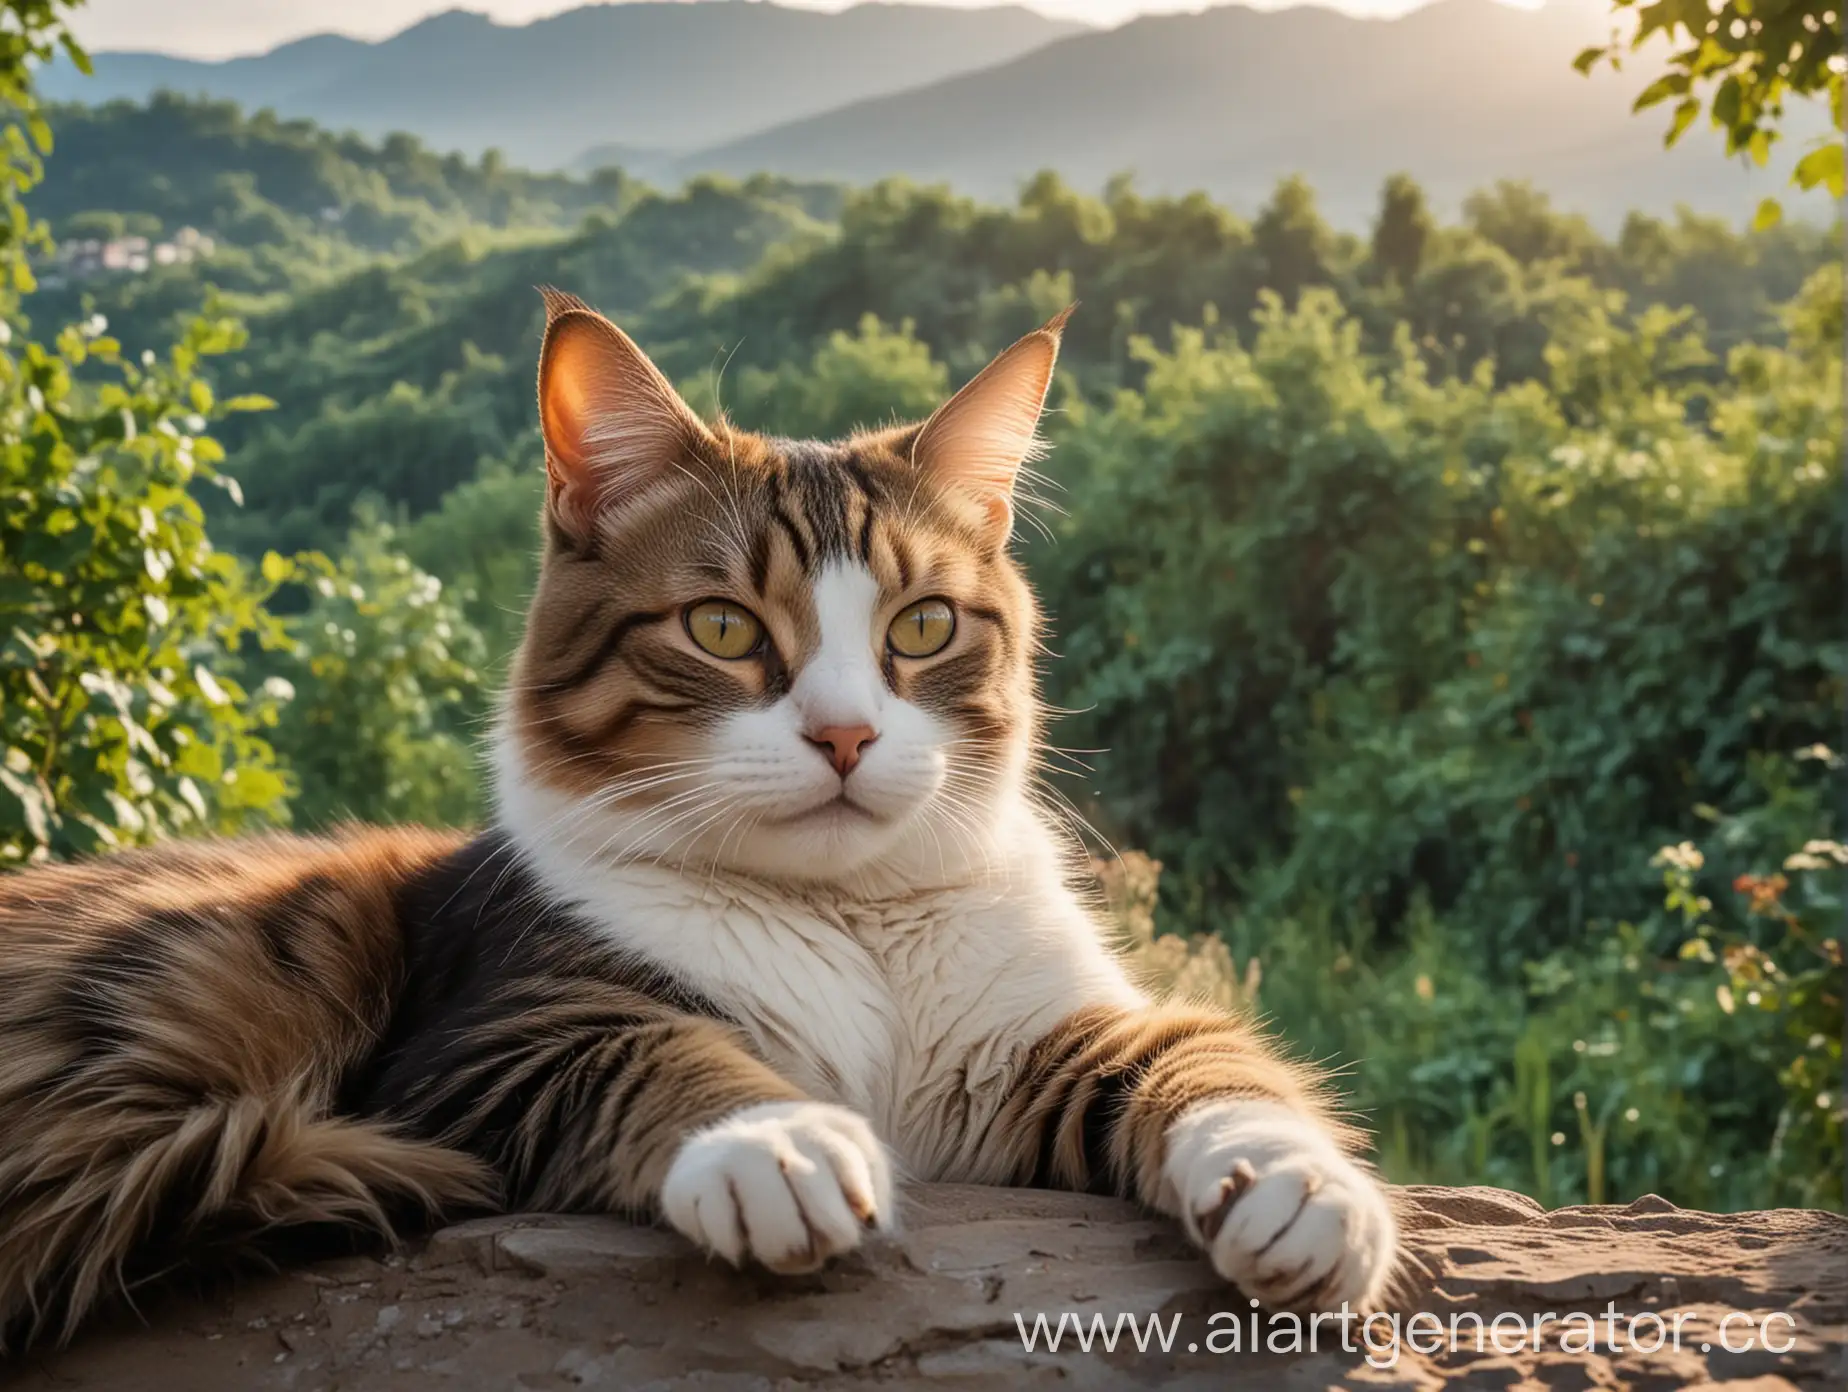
(1283, 1214)
(785, 1184)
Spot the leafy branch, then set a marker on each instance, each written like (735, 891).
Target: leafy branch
(1741, 61)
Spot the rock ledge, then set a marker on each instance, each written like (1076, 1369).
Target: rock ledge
(549, 1302)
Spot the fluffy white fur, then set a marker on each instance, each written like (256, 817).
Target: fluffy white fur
(1309, 1214)
(896, 959)
(784, 1184)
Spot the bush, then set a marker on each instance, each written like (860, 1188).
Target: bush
(1374, 637)
(383, 675)
(120, 718)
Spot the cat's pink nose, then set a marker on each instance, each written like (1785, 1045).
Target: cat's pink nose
(842, 744)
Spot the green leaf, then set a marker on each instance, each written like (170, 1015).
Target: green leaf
(1823, 165)
(1726, 104)
(1674, 84)
(75, 51)
(1665, 14)
(276, 568)
(1769, 215)
(250, 401)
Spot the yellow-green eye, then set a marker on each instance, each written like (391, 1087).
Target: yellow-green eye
(922, 628)
(724, 629)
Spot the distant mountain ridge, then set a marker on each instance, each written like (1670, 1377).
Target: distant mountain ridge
(647, 75)
(1460, 93)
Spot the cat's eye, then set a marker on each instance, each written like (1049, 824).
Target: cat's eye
(922, 628)
(724, 629)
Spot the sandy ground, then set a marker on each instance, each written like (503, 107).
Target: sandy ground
(559, 1303)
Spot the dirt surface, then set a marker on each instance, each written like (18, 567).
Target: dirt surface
(559, 1303)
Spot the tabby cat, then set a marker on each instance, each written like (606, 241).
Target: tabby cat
(766, 918)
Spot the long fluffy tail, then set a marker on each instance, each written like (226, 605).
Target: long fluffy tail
(106, 1198)
(175, 1028)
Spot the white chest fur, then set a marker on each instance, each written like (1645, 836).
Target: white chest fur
(913, 1010)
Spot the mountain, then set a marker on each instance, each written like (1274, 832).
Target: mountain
(1460, 94)
(613, 154)
(651, 75)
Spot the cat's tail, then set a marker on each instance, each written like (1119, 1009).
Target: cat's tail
(176, 1029)
(106, 1197)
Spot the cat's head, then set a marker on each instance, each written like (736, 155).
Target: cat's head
(791, 658)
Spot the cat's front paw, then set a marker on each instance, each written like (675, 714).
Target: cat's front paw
(1283, 1214)
(784, 1184)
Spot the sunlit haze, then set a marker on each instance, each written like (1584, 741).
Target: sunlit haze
(225, 28)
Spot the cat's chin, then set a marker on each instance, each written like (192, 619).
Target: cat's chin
(839, 811)
(821, 844)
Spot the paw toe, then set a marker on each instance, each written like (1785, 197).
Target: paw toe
(787, 1185)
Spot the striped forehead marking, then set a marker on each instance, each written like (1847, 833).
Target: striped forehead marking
(826, 500)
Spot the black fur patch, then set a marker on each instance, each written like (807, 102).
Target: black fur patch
(482, 940)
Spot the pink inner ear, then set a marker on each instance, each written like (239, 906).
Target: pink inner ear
(612, 423)
(565, 414)
(980, 438)
(576, 385)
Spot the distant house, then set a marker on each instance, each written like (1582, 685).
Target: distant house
(82, 258)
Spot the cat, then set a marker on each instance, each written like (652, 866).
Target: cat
(766, 917)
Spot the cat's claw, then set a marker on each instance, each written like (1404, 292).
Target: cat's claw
(1281, 1212)
(784, 1184)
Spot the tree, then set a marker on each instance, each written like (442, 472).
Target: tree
(1294, 245)
(120, 716)
(1521, 220)
(1750, 56)
(1404, 227)
(870, 378)
(98, 222)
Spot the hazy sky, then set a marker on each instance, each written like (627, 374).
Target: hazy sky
(222, 28)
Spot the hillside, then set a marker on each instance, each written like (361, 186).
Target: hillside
(253, 178)
(649, 75)
(389, 289)
(1459, 93)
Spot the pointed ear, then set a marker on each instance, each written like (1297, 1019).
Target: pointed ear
(613, 424)
(978, 440)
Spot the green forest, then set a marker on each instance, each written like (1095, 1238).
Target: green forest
(1450, 608)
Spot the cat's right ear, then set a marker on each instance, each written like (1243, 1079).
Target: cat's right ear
(613, 424)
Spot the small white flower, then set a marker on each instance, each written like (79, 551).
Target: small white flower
(1685, 856)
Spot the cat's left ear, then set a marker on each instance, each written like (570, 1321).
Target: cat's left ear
(979, 439)
(613, 424)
